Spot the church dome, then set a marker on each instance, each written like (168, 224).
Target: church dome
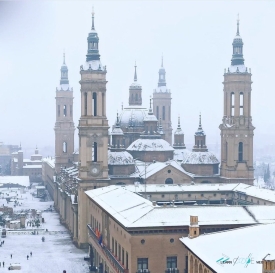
(120, 158)
(200, 158)
(132, 117)
(150, 144)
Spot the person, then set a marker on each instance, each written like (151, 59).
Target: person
(64, 271)
(3, 264)
(11, 256)
(31, 253)
(27, 257)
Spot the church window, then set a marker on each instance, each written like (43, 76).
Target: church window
(240, 152)
(64, 146)
(85, 104)
(118, 145)
(71, 110)
(65, 110)
(136, 97)
(161, 77)
(232, 104)
(94, 104)
(163, 112)
(226, 150)
(94, 152)
(169, 181)
(241, 103)
(58, 110)
(157, 112)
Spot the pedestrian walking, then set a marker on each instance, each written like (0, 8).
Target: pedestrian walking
(31, 253)
(27, 257)
(3, 264)
(3, 241)
(11, 256)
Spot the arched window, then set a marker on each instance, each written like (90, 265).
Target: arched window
(94, 152)
(196, 266)
(71, 110)
(94, 104)
(169, 181)
(240, 152)
(136, 97)
(85, 104)
(163, 112)
(232, 102)
(241, 103)
(64, 146)
(157, 112)
(65, 110)
(200, 268)
(58, 110)
(191, 265)
(226, 150)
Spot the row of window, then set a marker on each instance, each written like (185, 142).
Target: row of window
(163, 113)
(232, 103)
(171, 262)
(120, 253)
(240, 151)
(65, 111)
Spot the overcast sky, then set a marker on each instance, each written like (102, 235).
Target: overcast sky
(194, 37)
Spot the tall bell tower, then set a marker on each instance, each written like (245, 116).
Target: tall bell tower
(93, 130)
(162, 104)
(237, 130)
(64, 125)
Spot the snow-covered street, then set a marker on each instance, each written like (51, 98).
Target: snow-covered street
(56, 254)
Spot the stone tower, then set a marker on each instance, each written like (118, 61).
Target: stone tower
(200, 140)
(135, 92)
(64, 125)
(179, 137)
(162, 104)
(93, 130)
(236, 128)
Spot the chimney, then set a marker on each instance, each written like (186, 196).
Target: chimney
(154, 203)
(268, 264)
(194, 228)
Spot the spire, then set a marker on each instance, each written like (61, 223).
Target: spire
(64, 58)
(162, 60)
(93, 24)
(117, 120)
(64, 72)
(179, 122)
(135, 75)
(150, 112)
(162, 81)
(200, 127)
(237, 57)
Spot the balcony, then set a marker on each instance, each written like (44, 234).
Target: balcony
(143, 271)
(171, 270)
(107, 253)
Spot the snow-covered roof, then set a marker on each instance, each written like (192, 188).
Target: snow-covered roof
(243, 247)
(132, 116)
(153, 168)
(117, 131)
(32, 167)
(50, 161)
(147, 144)
(162, 89)
(135, 85)
(241, 68)
(150, 117)
(94, 65)
(120, 158)
(181, 154)
(135, 211)
(200, 158)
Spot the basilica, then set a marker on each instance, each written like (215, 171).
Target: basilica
(140, 148)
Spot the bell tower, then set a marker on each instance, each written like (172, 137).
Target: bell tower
(64, 125)
(93, 131)
(135, 92)
(237, 130)
(162, 104)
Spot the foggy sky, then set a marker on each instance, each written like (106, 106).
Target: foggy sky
(195, 39)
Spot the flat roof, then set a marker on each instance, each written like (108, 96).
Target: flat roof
(242, 246)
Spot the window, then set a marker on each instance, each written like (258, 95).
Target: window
(58, 110)
(241, 103)
(64, 147)
(115, 248)
(157, 112)
(232, 103)
(71, 110)
(122, 256)
(94, 104)
(94, 152)
(119, 252)
(202, 195)
(169, 181)
(163, 112)
(171, 262)
(162, 195)
(113, 244)
(142, 263)
(85, 104)
(65, 110)
(126, 260)
(189, 195)
(240, 152)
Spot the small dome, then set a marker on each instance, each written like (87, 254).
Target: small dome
(117, 131)
(135, 85)
(147, 144)
(132, 117)
(201, 158)
(120, 158)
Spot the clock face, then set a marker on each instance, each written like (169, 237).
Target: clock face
(94, 170)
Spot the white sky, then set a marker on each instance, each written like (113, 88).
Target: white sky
(195, 38)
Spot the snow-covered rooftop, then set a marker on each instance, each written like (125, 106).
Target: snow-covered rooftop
(135, 211)
(143, 144)
(120, 158)
(162, 89)
(93, 65)
(32, 167)
(117, 131)
(20, 180)
(237, 68)
(50, 161)
(200, 158)
(243, 247)
(133, 116)
(181, 154)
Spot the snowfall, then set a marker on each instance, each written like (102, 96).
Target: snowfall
(54, 255)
